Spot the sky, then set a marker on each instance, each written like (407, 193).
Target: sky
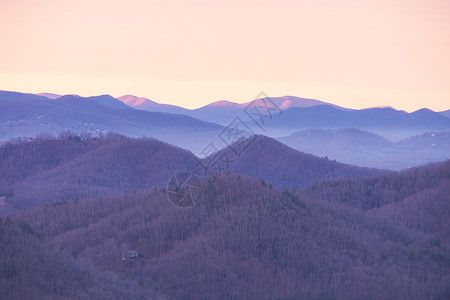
(353, 53)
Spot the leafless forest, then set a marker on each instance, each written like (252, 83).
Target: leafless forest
(373, 235)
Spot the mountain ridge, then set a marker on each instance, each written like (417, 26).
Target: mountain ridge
(267, 159)
(49, 170)
(363, 148)
(30, 117)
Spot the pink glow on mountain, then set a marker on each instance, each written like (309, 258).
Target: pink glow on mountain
(223, 103)
(285, 104)
(132, 100)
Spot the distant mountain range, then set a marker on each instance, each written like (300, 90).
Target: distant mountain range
(283, 116)
(362, 148)
(368, 137)
(387, 122)
(29, 115)
(221, 112)
(301, 113)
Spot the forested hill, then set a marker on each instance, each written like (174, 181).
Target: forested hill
(46, 170)
(377, 191)
(418, 198)
(267, 159)
(242, 240)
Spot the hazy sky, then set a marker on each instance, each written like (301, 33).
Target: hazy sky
(352, 53)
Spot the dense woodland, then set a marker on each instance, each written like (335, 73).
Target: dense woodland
(30, 270)
(71, 167)
(418, 198)
(379, 237)
(267, 159)
(46, 170)
(377, 191)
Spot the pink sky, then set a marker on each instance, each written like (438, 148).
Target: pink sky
(352, 53)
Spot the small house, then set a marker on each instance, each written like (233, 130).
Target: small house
(132, 254)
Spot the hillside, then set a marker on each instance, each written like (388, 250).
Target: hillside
(245, 240)
(380, 235)
(28, 270)
(267, 159)
(426, 211)
(378, 191)
(362, 148)
(417, 198)
(46, 170)
(445, 113)
(56, 170)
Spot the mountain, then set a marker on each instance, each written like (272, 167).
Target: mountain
(275, 117)
(287, 102)
(362, 148)
(223, 112)
(427, 141)
(58, 170)
(106, 100)
(102, 99)
(445, 113)
(96, 215)
(9, 96)
(47, 170)
(425, 211)
(147, 104)
(339, 138)
(417, 198)
(24, 115)
(281, 116)
(78, 101)
(386, 122)
(242, 240)
(49, 95)
(382, 190)
(267, 159)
